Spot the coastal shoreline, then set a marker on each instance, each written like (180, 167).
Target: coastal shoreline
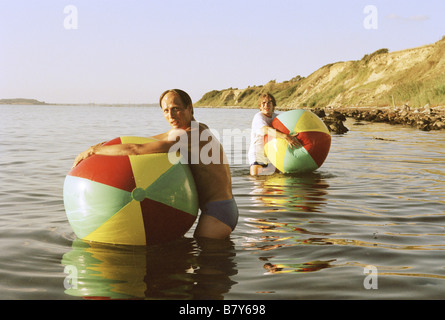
(426, 118)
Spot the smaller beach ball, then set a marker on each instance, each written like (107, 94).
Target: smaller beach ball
(132, 200)
(313, 135)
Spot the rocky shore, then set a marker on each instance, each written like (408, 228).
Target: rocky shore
(426, 118)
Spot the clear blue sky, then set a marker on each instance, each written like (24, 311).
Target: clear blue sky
(129, 51)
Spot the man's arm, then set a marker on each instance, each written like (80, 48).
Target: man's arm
(291, 140)
(126, 149)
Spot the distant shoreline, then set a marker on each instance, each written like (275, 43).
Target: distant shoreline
(34, 102)
(22, 101)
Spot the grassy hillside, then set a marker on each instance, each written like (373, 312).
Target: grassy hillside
(413, 76)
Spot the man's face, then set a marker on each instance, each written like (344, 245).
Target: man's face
(176, 114)
(267, 107)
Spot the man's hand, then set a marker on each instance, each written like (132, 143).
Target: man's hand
(292, 141)
(86, 154)
(82, 156)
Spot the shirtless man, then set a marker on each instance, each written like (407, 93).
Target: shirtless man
(219, 211)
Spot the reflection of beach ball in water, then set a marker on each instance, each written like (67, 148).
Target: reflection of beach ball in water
(134, 200)
(104, 271)
(313, 135)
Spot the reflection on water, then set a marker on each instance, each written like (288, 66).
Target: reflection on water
(297, 267)
(182, 269)
(287, 195)
(290, 192)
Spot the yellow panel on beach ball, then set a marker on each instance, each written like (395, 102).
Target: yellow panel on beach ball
(125, 227)
(143, 177)
(160, 161)
(308, 121)
(275, 150)
(137, 140)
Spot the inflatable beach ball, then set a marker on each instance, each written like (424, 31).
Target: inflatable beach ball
(132, 200)
(313, 135)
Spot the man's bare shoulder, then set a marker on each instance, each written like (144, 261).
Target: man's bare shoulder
(160, 136)
(169, 135)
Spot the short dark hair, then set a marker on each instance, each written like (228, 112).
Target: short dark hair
(267, 95)
(185, 98)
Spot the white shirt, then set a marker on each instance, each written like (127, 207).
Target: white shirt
(256, 149)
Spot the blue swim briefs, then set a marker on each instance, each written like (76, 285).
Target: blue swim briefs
(225, 211)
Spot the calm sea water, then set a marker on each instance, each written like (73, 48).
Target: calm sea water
(369, 224)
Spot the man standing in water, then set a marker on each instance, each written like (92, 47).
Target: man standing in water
(261, 126)
(211, 172)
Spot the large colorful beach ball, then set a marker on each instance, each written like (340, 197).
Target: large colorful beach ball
(313, 135)
(132, 200)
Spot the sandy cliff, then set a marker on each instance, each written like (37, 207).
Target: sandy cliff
(413, 77)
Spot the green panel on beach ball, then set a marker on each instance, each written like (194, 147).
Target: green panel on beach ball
(89, 204)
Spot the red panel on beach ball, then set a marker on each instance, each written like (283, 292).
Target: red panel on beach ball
(277, 124)
(175, 221)
(317, 144)
(113, 171)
